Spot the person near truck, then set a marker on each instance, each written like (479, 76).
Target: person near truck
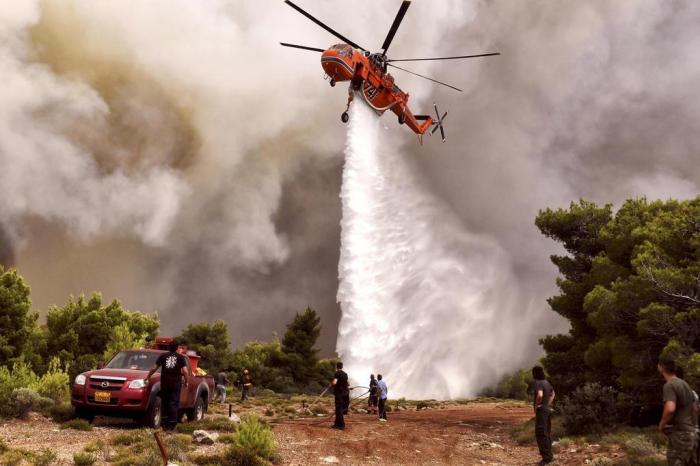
(383, 395)
(173, 373)
(246, 383)
(544, 396)
(341, 391)
(680, 417)
(221, 382)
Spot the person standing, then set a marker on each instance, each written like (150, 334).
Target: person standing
(341, 390)
(383, 394)
(246, 383)
(221, 382)
(544, 396)
(373, 395)
(173, 373)
(680, 417)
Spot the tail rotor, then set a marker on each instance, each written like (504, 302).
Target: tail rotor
(437, 123)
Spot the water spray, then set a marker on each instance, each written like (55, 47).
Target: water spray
(423, 300)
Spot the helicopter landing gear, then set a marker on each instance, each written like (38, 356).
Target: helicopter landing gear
(332, 82)
(345, 117)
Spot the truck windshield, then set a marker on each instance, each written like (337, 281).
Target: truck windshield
(135, 360)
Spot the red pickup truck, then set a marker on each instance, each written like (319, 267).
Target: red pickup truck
(118, 388)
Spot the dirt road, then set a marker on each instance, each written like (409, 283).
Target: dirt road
(475, 434)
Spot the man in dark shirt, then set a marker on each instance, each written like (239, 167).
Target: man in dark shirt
(341, 390)
(246, 383)
(221, 382)
(544, 395)
(680, 418)
(373, 395)
(173, 371)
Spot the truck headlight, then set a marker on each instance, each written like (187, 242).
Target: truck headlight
(138, 383)
(80, 379)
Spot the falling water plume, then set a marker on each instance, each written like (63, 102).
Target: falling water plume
(424, 302)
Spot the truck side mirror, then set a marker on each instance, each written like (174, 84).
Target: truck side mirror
(100, 365)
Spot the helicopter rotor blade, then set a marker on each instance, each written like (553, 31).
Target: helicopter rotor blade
(303, 47)
(327, 28)
(395, 26)
(425, 77)
(448, 58)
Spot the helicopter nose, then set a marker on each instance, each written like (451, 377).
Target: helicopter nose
(337, 67)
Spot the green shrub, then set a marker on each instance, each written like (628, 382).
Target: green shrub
(178, 445)
(16, 457)
(514, 386)
(590, 409)
(215, 423)
(129, 438)
(62, 412)
(77, 424)
(232, 456)
(55, 383)
(45, 458)
(82, 458)
(256, 437)
(21, 376)
(227, 438)
(23, 400)
(3, 446)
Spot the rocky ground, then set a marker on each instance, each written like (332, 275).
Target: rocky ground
(456, 433)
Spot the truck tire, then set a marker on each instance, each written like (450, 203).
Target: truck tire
(86, 414)
(154, 414)
(196, 413)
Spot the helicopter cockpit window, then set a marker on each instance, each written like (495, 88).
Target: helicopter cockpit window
(344, 50)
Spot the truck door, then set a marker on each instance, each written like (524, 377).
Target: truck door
(186, 399)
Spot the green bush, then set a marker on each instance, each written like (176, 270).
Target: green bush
(45, 458)
(16, 457)
(232, 456)
(55, 383)
(77, 424)
(514, 386)
(82, 458)
(590, 409)
(215, 423)
(256, 437)
(22, 401)
(129, 438)
(62, 412)
(21, 376)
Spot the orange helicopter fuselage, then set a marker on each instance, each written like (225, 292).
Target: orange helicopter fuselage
(368, 78)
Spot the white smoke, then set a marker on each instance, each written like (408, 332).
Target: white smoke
(424, 302)
(47, 175)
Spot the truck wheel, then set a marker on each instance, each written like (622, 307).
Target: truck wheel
(197, 412)
(82, 413)
(154, 415)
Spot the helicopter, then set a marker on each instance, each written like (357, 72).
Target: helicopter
(369, 77)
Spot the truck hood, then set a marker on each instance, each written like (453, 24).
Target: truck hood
(129, 374)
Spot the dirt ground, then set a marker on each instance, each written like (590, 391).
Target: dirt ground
(459, 435)
(477, 433)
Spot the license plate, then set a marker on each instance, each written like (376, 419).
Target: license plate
(103, 397)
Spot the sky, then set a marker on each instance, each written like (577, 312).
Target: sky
(171, 154)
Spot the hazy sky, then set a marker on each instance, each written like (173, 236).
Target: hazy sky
(170, 153)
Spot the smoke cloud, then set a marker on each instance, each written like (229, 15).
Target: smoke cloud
(172, 154)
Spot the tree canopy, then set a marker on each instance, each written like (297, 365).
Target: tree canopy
(630, 287)
(299, 345)
(17, 322)
(212, 342)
